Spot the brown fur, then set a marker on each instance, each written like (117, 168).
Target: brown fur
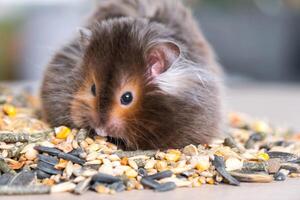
(115, 60)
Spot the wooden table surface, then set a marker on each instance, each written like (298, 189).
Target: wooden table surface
(279, 104)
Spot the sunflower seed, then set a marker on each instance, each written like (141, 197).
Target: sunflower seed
(166, 187)
(48, 159)
(21, 190)
(117, 186)
(48, 168)
(252, 177)
(42, 175)
(70, 157)
(148, 182)
(283, 156)
(218, 162)
(23, 178)
(161, 175)
(129, 154)
(49, 150)
(105, 178)
(5, 178)
(83, 186)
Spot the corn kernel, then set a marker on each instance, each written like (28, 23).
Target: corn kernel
(131, 173)
(10, 110)
(62, 132)
(263, 156)
(173, 155)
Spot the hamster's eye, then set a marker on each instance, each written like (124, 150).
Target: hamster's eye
(93, 89)
(126, 98)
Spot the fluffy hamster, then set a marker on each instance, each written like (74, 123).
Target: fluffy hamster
(140, 71)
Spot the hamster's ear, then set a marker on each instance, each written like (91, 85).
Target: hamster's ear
(161, 56)
(85, 36)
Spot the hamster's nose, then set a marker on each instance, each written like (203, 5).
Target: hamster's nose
(101, 132)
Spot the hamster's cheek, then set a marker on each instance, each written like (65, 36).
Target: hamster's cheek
(83, 109)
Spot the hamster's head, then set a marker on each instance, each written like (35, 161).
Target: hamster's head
(120, 96)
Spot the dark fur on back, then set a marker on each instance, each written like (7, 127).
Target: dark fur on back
(180, 107)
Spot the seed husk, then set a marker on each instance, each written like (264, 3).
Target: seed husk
(23, 137)
(105, 178)
(117, 186)
(255, 137)
(229, 141)
(252, 177)
(23, 178)
(283, 156)
(279, 176)
(273, 165)
(48, 159)
(166, 187)
(83, 186)
(5, 178)
(70, 157)
(42, 175)
(218, 162)
(76, 152)
(81, 135)
(148, 182)
(142, 172)
(5, 168)
(254, 166)
(21, 190)
(48, 150)
(161, 175)
(48, 168)
(129, 154)
(63, 187)
(292, 167)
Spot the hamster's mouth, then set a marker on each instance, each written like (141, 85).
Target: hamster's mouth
(101, 132)
(120, 143)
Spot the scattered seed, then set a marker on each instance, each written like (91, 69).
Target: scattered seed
(166, 187)
(279, 176)
(50, 151)
(5, 168)
(63, 187)
(148, 182)
(70, 157)
(42, 175)
(161, 175)
(117, 186)
(105, 178)
(254, 166)
(253, 177)
(48, 159)
(129, 154)
(48, 168)
(283, 156)
(28, 190)
(23, 178)
(218, 162)
(83, 186)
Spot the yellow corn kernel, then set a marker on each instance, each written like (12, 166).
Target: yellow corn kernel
(131, 173)
(173, 155)
(62, 132)
(263, 156)
(10, 110)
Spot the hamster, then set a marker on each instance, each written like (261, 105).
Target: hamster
(139, 71)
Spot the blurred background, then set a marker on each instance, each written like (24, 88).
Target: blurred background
(255, 39)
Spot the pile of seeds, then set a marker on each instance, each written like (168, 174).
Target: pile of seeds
(36, 159)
